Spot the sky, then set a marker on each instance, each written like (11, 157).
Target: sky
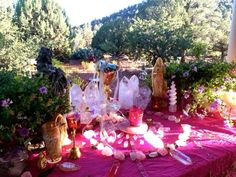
(83, 11)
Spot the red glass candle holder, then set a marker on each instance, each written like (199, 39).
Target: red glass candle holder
(73, 120)
(135, 116)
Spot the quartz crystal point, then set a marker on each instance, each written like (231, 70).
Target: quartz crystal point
(181, 157)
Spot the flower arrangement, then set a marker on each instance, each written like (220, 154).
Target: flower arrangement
(200, 83)
(25, 104)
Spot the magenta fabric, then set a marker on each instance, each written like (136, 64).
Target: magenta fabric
(213, 159)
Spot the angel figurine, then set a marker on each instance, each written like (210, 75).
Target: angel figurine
(159, 85)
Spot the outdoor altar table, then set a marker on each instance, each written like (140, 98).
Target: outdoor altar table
(212, 151)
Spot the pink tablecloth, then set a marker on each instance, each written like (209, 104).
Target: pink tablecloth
(214, 157)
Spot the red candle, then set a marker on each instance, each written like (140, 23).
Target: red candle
(135, 116)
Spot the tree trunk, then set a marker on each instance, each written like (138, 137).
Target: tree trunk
(222, 55)
(183, 52)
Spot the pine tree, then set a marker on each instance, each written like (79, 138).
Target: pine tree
(45, 23)
(83, 37)
(14, 54)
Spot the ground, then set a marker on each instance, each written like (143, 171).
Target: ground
(85, 71)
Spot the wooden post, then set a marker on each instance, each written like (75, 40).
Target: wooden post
(231, 56)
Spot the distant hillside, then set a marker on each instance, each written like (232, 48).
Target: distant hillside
(126, 13)
(168, 29)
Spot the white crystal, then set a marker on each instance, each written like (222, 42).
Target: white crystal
(85, 117)
(177, 120)
(140, 155)
(132, 155)
(128, 90)
(100, 146)
(91, 94)
(181, 143)
(120, 141)
(153, 154)
(111, 139)
(131, 143)
(120, 135)
(186, 127)
(135, 137)
(76, 96)
(183, 136)
(160, 133)
(119, 155)
(162, 151)
(126, 144)
(143, 97)
(181, 157)
(89, 134)
(107, 151)
(93, 141)
(172, 118)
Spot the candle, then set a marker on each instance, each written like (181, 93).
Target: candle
(135, 116)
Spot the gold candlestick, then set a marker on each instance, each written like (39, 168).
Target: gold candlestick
(74, 152)
(42, 162)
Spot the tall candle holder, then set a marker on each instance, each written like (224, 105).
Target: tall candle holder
(73, 124)
(74, 152)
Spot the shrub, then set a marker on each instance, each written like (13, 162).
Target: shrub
(202, 82)
(25, 104)
(87, 54)
(199, 49)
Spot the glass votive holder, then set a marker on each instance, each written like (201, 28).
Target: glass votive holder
(135, 116)
(73, 120)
